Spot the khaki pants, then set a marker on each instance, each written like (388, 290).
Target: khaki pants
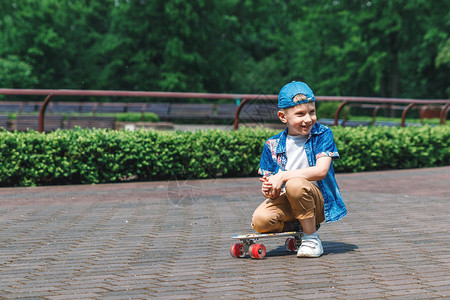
(302, 200)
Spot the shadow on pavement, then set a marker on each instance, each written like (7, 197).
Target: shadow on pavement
(328, 248)
(337, 247)
(280, 251)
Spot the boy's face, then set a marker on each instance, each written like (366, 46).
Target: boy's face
(299, 119)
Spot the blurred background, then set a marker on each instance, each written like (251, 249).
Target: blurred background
(397, 48)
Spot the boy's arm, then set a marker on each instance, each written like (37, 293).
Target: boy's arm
(266, 164)
(266, 168)
(326, 152)
(315, 173)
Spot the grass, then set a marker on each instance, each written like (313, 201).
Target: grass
(434, 121)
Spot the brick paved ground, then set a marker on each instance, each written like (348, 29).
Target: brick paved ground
(170, 240)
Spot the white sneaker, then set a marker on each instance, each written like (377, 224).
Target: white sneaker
(310, 247)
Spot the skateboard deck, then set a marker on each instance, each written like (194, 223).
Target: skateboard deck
(255, 250)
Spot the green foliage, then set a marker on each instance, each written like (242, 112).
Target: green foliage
(100, 156)
(443, 58)
(394, 48)
(380, 148)
(327, 109)
(384, 48)
(133, 117)
(15, 73)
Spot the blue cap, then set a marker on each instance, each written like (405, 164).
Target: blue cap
(288, 92)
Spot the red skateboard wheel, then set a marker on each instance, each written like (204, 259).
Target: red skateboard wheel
(291, 244)
(237, 250)
(257, 251)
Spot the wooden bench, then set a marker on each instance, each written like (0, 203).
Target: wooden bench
(88, 107)
(9, 108)
(18, 107)
(65, 108)
(251, 111)
(29, 108)
(90, 122)
(430, 111)
(160, 109)
(190, 111)
(26, 122)
(225, 111)
(268, 111)
(135, 107)
(110, 108)
(261, 112)
(4, 122)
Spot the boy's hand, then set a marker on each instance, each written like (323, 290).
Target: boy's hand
(271, 187)
(276, 182)
(265, 186)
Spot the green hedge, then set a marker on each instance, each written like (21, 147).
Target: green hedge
(381, 148)
(99, 156)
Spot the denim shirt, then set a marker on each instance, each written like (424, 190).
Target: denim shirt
(319, 143)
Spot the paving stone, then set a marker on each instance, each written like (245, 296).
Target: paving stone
(131, 240)
(75, 296)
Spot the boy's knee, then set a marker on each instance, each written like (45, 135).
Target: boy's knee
(299, 193)
(264, 223)
(297, 184)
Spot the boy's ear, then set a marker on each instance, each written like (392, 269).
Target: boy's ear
(282, 116)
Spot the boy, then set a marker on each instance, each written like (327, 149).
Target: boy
(298, 176)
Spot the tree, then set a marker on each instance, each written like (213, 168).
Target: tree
(381, 47)
(389, 48)
(15, 73)
(259, 30)
(166, 45)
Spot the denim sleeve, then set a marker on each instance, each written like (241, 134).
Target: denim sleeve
(326, 145)
(266, 164)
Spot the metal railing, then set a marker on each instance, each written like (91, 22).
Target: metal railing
(410, 104)
(50, 94)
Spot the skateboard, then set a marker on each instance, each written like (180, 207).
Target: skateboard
(248, 243)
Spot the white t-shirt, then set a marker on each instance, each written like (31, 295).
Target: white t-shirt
(296, 154)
